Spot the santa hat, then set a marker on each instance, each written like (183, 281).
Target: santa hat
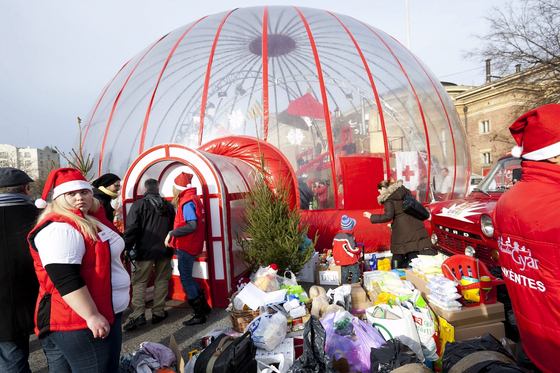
(62, 180)
(182, 181)
(347, 223)
(537, 134)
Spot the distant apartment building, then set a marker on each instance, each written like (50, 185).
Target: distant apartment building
(37, 163)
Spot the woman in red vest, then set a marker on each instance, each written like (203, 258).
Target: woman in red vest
(188, 236)
(83, 287)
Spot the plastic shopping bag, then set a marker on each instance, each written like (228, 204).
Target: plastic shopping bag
(268, 331)
(347, 333)
(394, 321)
(313, 359)
(427, 329)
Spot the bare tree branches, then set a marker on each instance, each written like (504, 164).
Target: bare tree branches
(76, 159)
(526, 33)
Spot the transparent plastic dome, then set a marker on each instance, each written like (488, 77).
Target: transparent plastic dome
(317, 85)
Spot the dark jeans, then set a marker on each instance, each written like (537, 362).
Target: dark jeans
(77, 351)
(185, 263)
(403, 260)
(345, 273)
(14, 356)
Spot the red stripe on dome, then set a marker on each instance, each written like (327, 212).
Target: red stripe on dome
(265, 72)
(415, 97)
(450, 130)
(207, 78)
(377, 101)
(323, 97)
(147, 117)
(102, 151)
(83, 140)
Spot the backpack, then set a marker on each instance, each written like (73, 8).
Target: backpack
(228, 355)
(414, 208)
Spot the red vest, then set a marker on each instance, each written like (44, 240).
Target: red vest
(191, 243)
(52, 313)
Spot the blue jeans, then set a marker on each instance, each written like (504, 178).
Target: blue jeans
(77, 351)
(345, 273)
(185, 263)
(14, 356)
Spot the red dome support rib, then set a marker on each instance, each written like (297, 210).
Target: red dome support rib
(265, 72)
(207, 79)
(415, 97)
(149, 109)
(376, 95)
(323, 97)
(102, 151)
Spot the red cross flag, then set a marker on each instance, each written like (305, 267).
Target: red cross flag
(407, 169)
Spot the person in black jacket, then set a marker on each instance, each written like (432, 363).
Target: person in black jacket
(147, 224)
(19, 290)
(105, 189)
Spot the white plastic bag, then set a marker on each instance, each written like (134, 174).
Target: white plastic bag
(268, 331)
(264, 364)
(394, 321)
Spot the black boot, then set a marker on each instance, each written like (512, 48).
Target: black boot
(206, 309)
(198, 318)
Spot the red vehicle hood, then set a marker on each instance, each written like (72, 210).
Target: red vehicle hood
(464, 212)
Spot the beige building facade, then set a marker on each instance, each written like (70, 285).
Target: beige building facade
(487, 111)
(37, 163)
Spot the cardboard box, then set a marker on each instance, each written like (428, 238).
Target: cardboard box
(308, 273)
(285, 348)
(472, 316)
(358, 294)
(497, 329)
(328, 275)
(419, 283)
(173, 346)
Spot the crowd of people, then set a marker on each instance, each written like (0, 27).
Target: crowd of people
(61, 261)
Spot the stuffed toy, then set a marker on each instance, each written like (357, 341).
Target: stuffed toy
(315, 291)
(319, 306)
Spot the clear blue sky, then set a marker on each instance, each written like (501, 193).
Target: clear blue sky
(57, 56)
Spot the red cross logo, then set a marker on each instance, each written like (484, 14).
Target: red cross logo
(407, 173)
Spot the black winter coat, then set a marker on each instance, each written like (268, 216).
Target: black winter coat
(20, 288)
(105, 201)
(408, 233)
(147, 224)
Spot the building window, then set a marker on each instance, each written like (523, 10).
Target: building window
(3, 154)
(485, 126)
(26, 155)
(485, 158)
(48, 157)
(41, 155)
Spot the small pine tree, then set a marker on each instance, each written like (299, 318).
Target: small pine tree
(76, 159)
(273, 232)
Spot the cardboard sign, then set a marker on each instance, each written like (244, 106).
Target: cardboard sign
(328, 278)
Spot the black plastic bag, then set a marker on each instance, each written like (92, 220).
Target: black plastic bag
(391, 355)
(455, 351)
(313, 359)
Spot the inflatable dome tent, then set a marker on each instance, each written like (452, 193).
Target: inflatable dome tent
(339, 104)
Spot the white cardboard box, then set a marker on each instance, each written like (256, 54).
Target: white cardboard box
(307, 273)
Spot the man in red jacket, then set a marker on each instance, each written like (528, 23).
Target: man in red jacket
(527, 223)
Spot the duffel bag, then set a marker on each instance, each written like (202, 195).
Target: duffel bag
(228, 355)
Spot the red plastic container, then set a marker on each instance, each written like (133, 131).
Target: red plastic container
(457, 266)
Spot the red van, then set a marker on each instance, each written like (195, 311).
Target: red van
(465, 226)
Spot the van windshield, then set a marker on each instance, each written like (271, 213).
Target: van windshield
(499, 179)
